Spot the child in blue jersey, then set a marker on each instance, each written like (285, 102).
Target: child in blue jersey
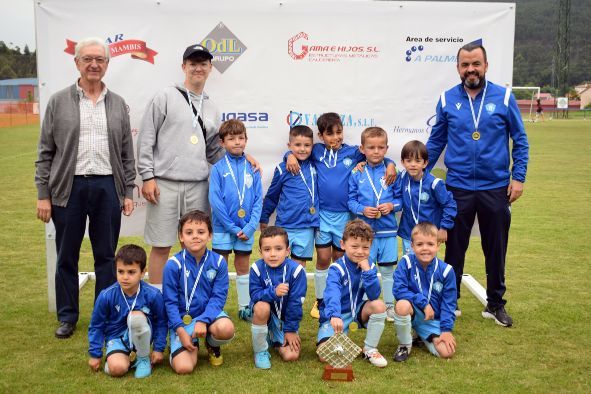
(372, 200)
(425, 290)
(424, 197)
(195, 288)
(350, 278)
(236, 198)
(295, 196)
(334, 161)
(128, 316)
(277, 291)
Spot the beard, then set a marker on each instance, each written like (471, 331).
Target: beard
(474, 83)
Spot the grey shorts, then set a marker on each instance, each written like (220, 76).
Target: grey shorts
(176, 198)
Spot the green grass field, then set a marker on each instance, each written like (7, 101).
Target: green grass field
(548, 279)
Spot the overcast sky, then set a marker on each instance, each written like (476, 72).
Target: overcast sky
(17, 23)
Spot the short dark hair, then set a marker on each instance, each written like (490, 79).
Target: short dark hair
(232, 127)
(425, 228)
(357, 228)
(327, 121)
(131, 254)
(273, 231)
(371, 132)
(196, 216)
(414, 150)
(471, 46)
(301, 130)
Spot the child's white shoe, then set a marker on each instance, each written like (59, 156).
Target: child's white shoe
(375, 358)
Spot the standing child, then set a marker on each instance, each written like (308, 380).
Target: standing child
(295, 197)
(349, 279)
(128, 315)
(424, 197)
(236, 198)
(277, 291)
(195, 288)
(334, 161)
(425, 288)
(371, 199)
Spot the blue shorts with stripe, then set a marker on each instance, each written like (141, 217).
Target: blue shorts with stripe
(332, 225)
(325, 331)
(223, 243)
(120, 344)
(175, 343)
(384, 251)
(276, 334)
(426, 329)
(301, 243)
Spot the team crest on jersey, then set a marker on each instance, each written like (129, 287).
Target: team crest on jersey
(347, 162)
(490, 108)
(210, 274)
(117, 308)
(248, 180)
(383, 183)
(438, 286)
(146, 310)
(424, 197)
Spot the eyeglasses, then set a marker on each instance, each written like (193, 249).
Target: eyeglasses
(100, 60)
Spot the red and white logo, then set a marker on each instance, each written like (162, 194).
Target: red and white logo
(299, 48)
(137, 48)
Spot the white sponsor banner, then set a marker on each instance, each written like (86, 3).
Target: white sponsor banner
(375, 63)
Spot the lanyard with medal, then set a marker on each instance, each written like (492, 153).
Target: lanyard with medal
(353, 326)
(187, 319)
(417, 217)
(311, 191)
(375, 192)
(279, 307)
(195, 115)
(332, 158)
(476, 120)
(241, 211)
(430, 284)
(130, 308)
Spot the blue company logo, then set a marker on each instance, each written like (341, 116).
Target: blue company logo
(425, 129)
(295, 118)
(251, 119)
(419, 53)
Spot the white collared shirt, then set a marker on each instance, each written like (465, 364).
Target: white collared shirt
(93, 146)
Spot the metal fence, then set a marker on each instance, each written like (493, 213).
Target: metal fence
(18, 113)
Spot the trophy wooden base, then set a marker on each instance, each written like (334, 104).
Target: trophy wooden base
(340, 374)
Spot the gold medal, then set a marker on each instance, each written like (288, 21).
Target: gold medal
(353, 326)
(187, 319)
(312, 210)
(378, 215)
(132, 357)
(194, 139)
(241, 213)
(476, 136)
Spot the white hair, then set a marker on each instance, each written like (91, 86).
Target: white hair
(89, 42)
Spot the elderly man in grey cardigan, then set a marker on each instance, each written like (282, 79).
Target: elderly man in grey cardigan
(85, 168)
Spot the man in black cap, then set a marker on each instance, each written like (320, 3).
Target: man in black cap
(176, 145)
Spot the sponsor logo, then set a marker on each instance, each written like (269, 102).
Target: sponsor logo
(118, 46)
(301, 47)
(433, 49)
(458, 106)
(225, 47)
(117, 308)
(252, 120)
(424, 129)
(490, 108)
(295, 118)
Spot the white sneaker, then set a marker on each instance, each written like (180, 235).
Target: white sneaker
(390, 313)
(458, 312)
(375, 358)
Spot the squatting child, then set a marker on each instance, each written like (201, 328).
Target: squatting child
(236, 198)
(295, 197)
(334, 161)
(425, 290)
(129, 315)
(372, 200)
(195, 288)
(349, 279)
(277, 291)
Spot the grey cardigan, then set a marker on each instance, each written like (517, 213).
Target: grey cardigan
(58, 146)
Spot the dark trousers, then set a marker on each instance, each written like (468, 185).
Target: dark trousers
(96, 198)
(494, 219)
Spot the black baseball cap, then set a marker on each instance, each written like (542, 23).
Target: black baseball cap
(197, 50)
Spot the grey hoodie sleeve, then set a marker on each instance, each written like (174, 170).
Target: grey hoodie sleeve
(146, 142)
